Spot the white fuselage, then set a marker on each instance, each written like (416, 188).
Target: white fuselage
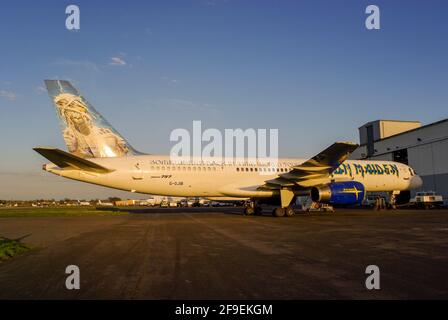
(159, 175)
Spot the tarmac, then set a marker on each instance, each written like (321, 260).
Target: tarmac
(217, 253)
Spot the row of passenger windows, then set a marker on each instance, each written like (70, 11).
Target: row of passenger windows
(185, 168)
(262, 169)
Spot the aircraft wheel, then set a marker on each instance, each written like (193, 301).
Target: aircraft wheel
(289, 212)
(278, 212)
(248, 211)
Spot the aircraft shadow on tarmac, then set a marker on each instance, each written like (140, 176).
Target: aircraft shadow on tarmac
(177, 210)
(189, 210)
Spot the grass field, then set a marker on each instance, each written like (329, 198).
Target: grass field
(56, 212)
(10, 248)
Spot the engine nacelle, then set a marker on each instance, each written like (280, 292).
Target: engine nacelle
(345, 193)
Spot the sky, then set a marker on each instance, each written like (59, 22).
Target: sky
(308, 68)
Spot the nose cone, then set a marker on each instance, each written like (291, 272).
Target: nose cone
(416, 182)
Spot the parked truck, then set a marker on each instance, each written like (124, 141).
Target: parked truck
(427, 200)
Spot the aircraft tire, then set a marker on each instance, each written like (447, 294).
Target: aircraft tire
(278, 212)
(248, 211)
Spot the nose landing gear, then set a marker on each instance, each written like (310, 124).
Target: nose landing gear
(252, 209)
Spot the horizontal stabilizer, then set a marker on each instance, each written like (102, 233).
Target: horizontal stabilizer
(67, 160)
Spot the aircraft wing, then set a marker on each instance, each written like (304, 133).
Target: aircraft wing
(65, 160)
(314, 171)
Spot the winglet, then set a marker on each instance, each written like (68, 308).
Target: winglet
(67, 160)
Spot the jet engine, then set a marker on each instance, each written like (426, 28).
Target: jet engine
(343, 193)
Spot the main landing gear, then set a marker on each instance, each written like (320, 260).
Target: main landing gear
(285, 210)
(253, 209)
(286, 197)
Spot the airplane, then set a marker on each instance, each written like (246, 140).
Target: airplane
(98, 154)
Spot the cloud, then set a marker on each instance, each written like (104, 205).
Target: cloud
(148, 31)
(40, 89)
(117, 61)
(11, 96)
(164, 78)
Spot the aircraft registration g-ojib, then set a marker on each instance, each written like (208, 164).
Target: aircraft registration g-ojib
(98, 154)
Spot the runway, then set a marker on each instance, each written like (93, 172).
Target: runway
(217, 253)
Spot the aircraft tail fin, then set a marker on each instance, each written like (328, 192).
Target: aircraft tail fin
(86, 133)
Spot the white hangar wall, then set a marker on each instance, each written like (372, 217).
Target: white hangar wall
(424, 148)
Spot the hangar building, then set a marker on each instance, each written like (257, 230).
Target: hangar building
(424, 148)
